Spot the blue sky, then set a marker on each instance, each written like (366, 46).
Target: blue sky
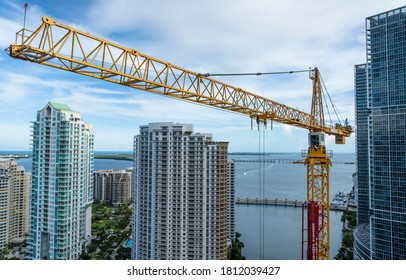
(209, 36)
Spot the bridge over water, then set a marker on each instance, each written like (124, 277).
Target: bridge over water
(285, 202)
(284, 160)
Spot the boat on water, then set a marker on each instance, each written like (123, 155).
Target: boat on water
(340, 199)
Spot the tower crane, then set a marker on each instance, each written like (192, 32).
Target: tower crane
(66, 48)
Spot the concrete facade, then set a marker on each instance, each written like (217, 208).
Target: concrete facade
(180, 189)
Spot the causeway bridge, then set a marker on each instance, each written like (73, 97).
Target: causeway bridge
(284, 160)
(284, 202)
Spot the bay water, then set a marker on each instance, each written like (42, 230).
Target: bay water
(282, 226)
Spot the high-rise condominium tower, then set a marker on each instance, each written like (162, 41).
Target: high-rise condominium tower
(231, 199)
(180, 194)
(62, 185)
(15, 189)
(380, 95)
(113, 186)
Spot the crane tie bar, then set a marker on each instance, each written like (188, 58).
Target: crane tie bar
(254, 74)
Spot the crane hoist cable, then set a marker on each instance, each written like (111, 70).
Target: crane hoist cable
(263, 193)
(261, 185)
(261, 188)
(260, 171)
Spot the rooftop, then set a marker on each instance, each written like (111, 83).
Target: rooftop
(60, 106)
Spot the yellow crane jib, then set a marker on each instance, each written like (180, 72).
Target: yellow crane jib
(63, 47)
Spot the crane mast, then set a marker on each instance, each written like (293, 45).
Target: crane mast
(56, 45)
(318, 173)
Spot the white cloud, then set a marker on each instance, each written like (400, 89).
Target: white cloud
(15, 135)
(209, 36)
(7, 32)
(14, 21)
(241, 36)
(98, 90)
(287, 129)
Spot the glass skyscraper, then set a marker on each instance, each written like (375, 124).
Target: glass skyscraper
(381, 109)
(361, 113)
(62, 184)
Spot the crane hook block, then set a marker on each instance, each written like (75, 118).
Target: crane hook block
(48, 20)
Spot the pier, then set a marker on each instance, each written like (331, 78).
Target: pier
(285, 202)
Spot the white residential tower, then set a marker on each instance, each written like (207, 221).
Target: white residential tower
(180, 194)
(62, 186)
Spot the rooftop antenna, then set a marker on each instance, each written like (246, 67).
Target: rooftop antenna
(25, 15)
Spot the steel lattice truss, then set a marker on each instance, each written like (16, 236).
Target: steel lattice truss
(56, 45)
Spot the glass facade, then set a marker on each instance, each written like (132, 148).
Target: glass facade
(362, 242)
(361, 113)
(386, 102)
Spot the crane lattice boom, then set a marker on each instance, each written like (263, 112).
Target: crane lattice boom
(60, 46)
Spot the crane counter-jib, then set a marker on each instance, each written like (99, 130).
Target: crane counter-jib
(60, 46)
